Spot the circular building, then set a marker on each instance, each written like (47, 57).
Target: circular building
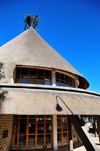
(46, 96)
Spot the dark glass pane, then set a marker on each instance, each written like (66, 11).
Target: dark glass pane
(23, 120)
(40, 128)
(66, 78)
(48, 139)
(57, 75)
(22, 141)
(41, 78)
(24, 71)
(15, 119)
(47, 73)
(58, 116)
(58, 119)
(32, 120)
(48, 128)
(17, 77)
(58, 127)
(16, 116)
(22, 128)
(65, 138)
(64, 116)
(31, 140)
(23, 116)
(32, 116)
(73, 81)
(64, 126)
(18, 71)
(40, 116)
(32, 71)
(40, 141)
(40, 72)
(14, 142)
(32, 81)
(70, 79)
(31, 128)
(47, 82)
(40, 120)
(17, 80)
(62, 76)
(15, 128)
(59, 138)
(64, 134)
(40, 82)
(48, 116)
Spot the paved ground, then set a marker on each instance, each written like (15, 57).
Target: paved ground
(96, 141)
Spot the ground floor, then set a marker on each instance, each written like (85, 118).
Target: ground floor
(31, 132)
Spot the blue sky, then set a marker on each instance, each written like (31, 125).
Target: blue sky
(71, 27)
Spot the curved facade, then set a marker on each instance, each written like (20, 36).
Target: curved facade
(43, 92)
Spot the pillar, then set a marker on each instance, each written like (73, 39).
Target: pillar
(53, 78)
(70, 136)
(55, 146)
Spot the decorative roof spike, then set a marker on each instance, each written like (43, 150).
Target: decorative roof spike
(31, 21)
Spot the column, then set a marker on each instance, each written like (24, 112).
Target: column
(70, 136)
(53, 78)
(55, 146)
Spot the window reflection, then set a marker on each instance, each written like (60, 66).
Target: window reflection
(64, 80)
(33, 76)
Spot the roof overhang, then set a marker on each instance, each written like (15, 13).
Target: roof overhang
(30, 99)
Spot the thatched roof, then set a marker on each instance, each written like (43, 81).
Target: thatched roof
(31, 50)
(35, 100)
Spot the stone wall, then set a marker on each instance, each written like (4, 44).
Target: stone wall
(5, 124)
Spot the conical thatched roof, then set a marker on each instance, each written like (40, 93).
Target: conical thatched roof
(31, 50)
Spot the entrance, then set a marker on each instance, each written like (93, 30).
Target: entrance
(32, 132)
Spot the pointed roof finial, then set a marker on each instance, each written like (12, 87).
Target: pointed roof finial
(31, 21)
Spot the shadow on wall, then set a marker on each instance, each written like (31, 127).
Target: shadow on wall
(59, 108)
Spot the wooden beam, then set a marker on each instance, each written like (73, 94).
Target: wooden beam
(82, 132)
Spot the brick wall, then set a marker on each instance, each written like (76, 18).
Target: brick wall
(5, 124)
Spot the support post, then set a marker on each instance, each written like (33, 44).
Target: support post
(98, 126)
(70, 136)
(82, 132)
(94, 127)
(55, 146)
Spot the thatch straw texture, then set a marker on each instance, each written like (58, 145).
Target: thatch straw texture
(30, 49)
(42, 101)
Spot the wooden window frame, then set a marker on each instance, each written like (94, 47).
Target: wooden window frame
(70, 84)
(28, 75)
(35, 134)
(61, 122)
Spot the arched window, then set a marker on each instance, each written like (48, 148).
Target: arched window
(64, 80)
(33, 76)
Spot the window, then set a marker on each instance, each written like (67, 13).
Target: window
(33, 76)
(32, 132)
(64, 80)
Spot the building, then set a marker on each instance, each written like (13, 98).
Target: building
(46, 96)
